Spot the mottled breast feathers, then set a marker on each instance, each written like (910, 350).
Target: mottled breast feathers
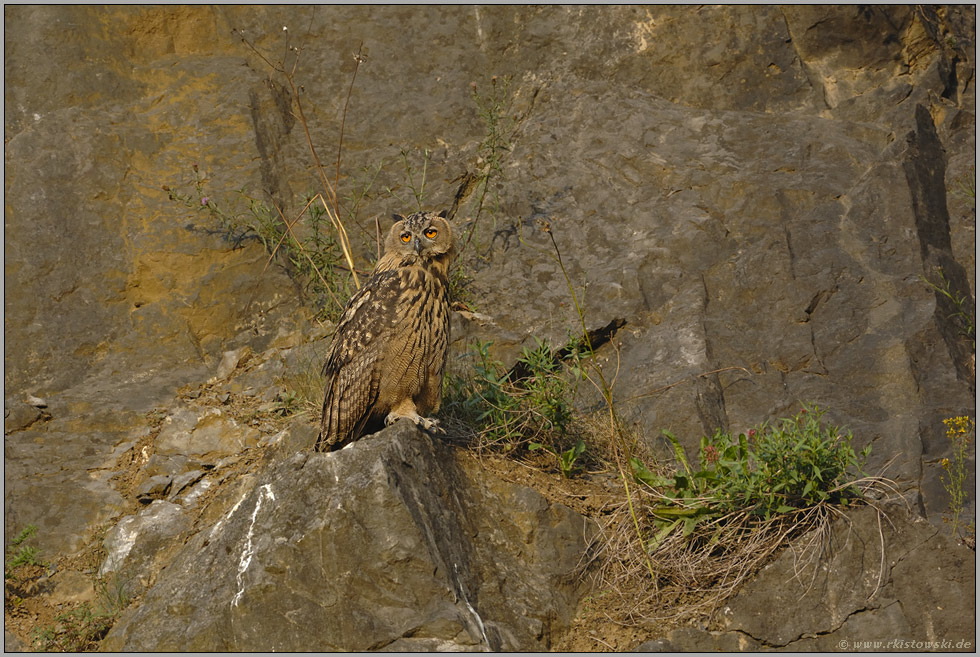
(388, 353)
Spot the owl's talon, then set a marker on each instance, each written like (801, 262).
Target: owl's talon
(432, 424)
(426, 423)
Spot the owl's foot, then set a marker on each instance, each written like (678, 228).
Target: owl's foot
(433, 425)
(427, 423)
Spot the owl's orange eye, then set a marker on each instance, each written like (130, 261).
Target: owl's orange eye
(406, 237)
(431, 233)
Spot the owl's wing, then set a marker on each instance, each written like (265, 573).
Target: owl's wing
(352, 369)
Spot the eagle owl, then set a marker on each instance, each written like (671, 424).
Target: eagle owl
(388, 354)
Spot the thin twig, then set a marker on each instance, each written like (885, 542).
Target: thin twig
(685, 380)
(618, 450)
(303, 251)
(881, 565)
(343, 122)
(289, 231)
(290, 76)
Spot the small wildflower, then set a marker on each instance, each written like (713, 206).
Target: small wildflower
(710, 454)
(205, 200)
(751, 433)
(960, 431)
(959, 426)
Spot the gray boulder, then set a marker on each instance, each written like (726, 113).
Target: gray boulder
(138, 546)
(395, 543)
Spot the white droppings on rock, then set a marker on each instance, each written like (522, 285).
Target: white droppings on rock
(248, 551)
(231, 512)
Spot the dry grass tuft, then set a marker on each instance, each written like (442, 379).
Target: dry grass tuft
(695, 575)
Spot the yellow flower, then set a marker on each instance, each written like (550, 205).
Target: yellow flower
(959, 426)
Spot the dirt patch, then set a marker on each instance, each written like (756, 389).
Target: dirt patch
(25, 604)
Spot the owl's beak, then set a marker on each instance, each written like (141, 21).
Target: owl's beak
(417, 243)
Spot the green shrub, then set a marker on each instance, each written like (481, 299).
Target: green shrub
(567, 459)
(528, 404)
(775, 469)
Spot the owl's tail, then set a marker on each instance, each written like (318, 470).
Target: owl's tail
(321, 445)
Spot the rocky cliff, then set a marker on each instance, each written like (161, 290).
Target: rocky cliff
(754, 194)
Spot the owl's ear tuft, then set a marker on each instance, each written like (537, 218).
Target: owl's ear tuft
(397, 217)
(443, 213)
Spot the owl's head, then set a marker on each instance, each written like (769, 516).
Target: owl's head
(426, 235)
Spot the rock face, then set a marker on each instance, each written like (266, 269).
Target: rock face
(392, 544)
(754, 193)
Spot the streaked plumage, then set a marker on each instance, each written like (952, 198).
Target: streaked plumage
(388, 354)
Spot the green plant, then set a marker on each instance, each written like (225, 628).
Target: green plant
(793, 465)
(23, 554)
(75, 630)
(330, 203)
(304, 385)
(960, 430)
(416, 186)
(319, 258)
(528, 403)
(566, 459)
(362, 182)
(586, 367)
(707, 527)
(498, 126)
(960, 303)
(113, 595)
(286, 403)
(82, 627)
(966, 187)
(318, 249)
(315, 255)
(460, 294)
